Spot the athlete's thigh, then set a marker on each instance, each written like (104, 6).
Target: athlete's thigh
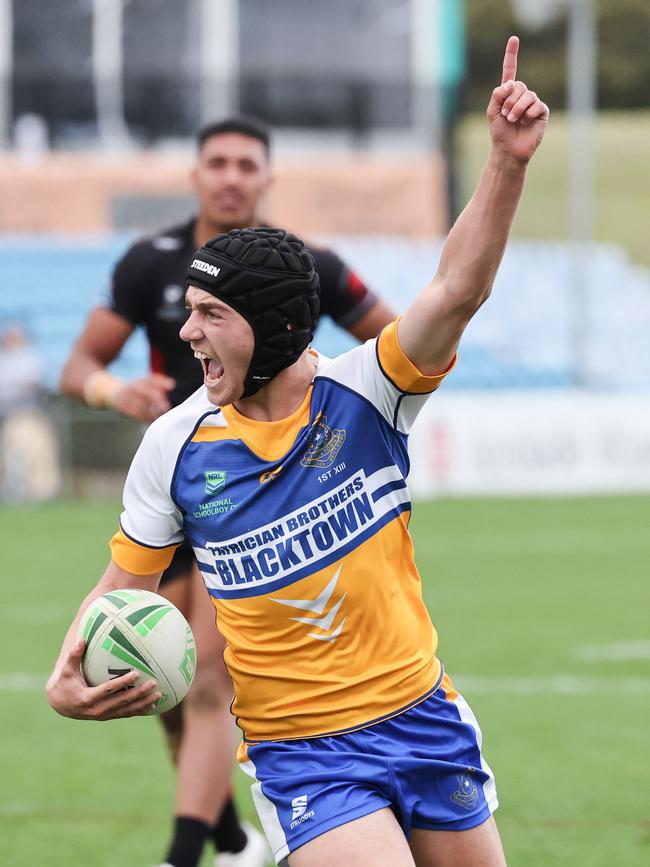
(476, 847)
(375, 839)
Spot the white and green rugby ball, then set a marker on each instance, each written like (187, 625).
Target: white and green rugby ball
(136, 630)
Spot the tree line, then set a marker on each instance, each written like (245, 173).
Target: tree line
(623, 53)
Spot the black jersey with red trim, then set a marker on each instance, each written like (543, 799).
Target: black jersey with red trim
(148, 289)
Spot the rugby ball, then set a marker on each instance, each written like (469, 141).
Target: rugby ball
(127, 630)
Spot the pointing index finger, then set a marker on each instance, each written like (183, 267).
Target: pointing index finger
(510, 60)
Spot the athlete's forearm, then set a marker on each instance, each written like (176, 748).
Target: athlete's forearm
(67, 691)
(431, 328)
(85, 378)
(70, 638)
(476, 243)
(114, 578)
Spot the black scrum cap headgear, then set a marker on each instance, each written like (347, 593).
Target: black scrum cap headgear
(268, 277)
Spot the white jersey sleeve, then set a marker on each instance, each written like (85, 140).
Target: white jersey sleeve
(151, 525)
(381, 372)
(150, 517)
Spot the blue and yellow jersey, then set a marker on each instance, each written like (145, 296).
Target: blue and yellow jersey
(300, 530)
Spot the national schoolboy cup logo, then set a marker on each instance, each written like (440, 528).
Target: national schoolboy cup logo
(215, 481)
(323, 445)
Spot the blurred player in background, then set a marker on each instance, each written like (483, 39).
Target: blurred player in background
(362, 750)
(29, 454)
(231, 178)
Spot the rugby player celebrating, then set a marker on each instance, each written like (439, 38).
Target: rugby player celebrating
(231, 178)
(362, 750)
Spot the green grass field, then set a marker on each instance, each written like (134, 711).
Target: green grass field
(622, 181)
(543, 622)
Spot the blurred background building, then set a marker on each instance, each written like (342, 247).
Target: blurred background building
(376, 107)
(146, 71)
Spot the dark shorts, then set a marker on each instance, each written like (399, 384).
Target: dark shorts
(181, 565)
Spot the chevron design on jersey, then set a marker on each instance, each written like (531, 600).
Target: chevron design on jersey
(332, 637)
(318, 606)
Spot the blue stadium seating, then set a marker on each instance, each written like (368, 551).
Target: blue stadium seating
(543, 328)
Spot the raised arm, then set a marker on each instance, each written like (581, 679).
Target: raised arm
(430, 330)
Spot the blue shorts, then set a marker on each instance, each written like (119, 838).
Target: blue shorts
(425, 764)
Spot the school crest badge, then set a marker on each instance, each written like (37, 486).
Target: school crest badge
(466, 795)
(323, 445)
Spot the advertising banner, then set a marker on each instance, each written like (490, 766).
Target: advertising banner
(531, 443)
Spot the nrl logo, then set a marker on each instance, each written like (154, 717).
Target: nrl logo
(215, 481)
(323, 445)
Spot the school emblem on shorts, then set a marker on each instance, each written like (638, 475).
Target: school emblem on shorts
(323, 445)
(215, 481)
(466, 795)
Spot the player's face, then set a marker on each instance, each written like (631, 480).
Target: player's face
(231, 176)
(223, 342)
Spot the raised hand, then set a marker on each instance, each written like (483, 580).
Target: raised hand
(516, 115)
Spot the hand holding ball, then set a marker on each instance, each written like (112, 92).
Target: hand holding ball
(136, 630)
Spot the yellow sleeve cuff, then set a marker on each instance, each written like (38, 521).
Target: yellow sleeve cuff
(139, 559)
(400, 369)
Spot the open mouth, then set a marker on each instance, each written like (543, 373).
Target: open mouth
(212, 370)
